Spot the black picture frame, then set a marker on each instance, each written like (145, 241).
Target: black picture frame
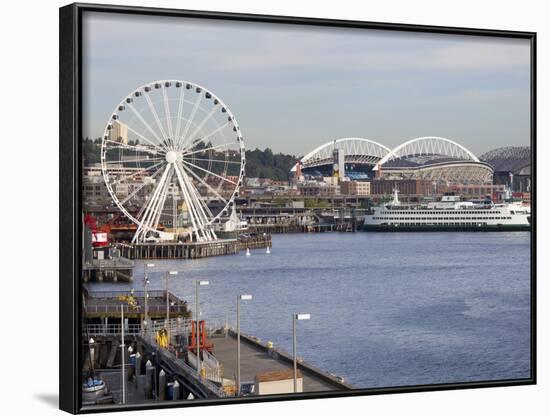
(70, 233)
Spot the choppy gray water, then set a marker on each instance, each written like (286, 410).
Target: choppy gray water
(388, 309)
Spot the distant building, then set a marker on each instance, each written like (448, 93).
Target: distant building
(319, 189)
(525, 197)
(359, 188)
(95, 191)
(252, 182)
(512, 166)
(119, 133)
(279, 183)
(405, 187)
(477, 191)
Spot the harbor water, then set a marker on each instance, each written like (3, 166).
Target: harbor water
(391, 309)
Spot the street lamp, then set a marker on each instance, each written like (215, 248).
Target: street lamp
(123, 354)
(91, 344)
(296, 317)
(173, 273)
(243, 297)
(199, 284)
(146, 283)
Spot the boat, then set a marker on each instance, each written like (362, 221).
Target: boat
(448, 214)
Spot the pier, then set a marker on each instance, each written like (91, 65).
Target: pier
(321, 227)
(152, 374)
(257, 358)
(113, 270)
(192, 250)
(277, 220)
(107, 305)
(151, 370)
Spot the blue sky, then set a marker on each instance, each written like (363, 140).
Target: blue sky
(293, 88)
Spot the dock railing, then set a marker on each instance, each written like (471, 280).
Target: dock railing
(189, 372)
(91, 305)
(175, 327)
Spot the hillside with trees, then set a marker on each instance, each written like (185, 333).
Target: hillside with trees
(261, 164)
(266, 164)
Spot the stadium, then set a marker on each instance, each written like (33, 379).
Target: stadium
(512, 166)
(425, 158)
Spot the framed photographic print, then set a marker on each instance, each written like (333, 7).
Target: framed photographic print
(258, 208)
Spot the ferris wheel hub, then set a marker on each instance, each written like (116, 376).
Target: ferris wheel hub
(172, 157)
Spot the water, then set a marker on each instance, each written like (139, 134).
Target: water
(387, 309)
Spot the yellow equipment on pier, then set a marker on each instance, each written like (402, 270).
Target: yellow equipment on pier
(162, 338)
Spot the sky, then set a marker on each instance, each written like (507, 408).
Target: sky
(293, 88)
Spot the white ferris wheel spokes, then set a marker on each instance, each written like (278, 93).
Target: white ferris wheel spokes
(169, 149)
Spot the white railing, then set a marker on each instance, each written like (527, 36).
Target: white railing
(191, 371)
(101, 329)
(136, 294)
(175, 327)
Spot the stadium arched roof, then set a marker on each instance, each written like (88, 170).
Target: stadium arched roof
(428, 157)
(508, 159)
(356, 150)
(428, 146)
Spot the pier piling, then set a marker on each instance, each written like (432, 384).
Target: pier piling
(138, 365)
(176, 391)
(162, 385)
(149, 379)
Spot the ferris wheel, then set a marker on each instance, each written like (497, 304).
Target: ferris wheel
(173, 160)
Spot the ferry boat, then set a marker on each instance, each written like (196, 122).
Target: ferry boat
(449, 214)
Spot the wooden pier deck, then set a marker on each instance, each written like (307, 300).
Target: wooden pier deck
(104, 304)
(191, 250)
(117, 269)
(256, 358)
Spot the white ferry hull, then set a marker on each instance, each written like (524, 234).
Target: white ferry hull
(446, 228)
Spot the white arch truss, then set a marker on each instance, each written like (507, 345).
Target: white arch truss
(357, 150)
(429, 145)
(467, 172)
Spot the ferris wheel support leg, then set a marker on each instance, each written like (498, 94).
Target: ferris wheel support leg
(199, 204)
(160, 185)
(160, 205)
(144, 225)
(196, 229)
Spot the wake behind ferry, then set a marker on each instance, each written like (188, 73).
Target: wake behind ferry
(449, 214)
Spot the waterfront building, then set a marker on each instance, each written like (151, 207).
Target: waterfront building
(319, 189)
(476, 191)
(95, 192)
(359, 188)
(410, 187)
